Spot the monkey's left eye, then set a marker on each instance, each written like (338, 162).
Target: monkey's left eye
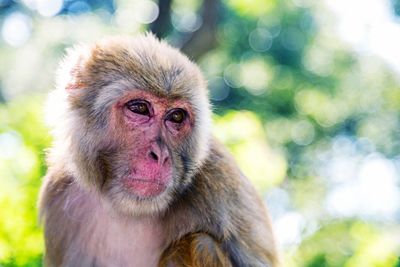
(177, 115)
(138, 106)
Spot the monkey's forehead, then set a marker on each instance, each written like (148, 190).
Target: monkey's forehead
(142, 62)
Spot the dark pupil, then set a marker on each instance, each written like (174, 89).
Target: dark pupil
(140, 108)
(178, 116)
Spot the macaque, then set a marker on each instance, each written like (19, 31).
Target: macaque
(135, 177)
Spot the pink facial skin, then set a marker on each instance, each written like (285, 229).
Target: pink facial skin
(148, 138)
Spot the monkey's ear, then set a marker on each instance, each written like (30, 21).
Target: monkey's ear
(71, 71)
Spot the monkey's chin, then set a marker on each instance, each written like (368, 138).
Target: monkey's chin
(145, 188)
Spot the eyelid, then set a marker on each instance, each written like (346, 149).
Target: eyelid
(139, 101)
(133, 101)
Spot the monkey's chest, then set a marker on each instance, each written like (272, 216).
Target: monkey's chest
(104, 242)
(133, 245)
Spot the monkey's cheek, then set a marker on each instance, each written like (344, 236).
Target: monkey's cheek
(145, 188)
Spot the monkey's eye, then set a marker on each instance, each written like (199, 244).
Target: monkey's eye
(177, 115)
(138, 106)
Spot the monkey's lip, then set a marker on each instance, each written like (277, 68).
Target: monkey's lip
(145, 187)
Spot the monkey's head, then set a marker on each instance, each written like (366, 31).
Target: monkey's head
(134, 123)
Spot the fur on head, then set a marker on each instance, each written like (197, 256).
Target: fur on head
(90, 82)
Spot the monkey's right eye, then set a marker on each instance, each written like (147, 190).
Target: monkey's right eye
(139, 107)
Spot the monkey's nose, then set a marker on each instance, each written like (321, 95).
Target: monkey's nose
(159, 153)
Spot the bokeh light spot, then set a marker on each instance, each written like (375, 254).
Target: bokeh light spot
(289, 228)
(49, 8)
(260, 40)
(10, 143)
(232, 75)
(255, 75)
(186, 20)
(16, 29)
(145, 11)
(303, 133)
(218, 89)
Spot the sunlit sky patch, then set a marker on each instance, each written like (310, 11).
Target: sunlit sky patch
(372, 191)
(370, 26)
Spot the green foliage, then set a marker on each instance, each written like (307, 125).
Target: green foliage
(23, 139)
(349, 243)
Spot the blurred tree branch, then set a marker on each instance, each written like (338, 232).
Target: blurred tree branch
(204, 39)
(162, 25)
(200, 41)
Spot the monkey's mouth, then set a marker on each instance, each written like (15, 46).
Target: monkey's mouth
(144, 187)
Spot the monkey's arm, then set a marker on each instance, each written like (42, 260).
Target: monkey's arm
(195, 250)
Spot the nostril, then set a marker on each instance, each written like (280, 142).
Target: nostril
(165, 160)
(153, 155)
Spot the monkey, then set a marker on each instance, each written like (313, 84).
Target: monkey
(135, 176)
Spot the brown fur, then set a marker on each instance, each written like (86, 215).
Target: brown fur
(209, 216)
(195, 250)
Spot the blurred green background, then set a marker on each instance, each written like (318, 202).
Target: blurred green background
(306, 94)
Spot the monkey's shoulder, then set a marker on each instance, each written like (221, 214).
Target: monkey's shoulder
(222, 202)
(54, 186)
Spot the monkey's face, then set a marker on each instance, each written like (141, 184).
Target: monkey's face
(150, 161)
